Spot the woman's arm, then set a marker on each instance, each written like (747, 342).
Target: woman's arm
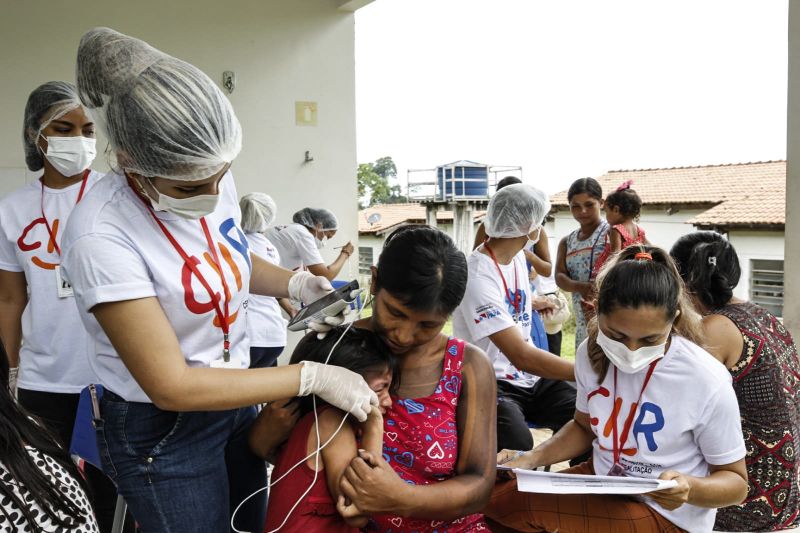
(378, 489)
(480, 236)
(540, 259)
(572, 440)
(562, 275)
(13, 299)
(722, 339)
(332, 270)
(725, 485)
(527, 357)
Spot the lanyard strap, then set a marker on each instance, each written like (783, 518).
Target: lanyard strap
(223, 317)
(602, 225)
(618, 444)
(514, 299)
(47, 224)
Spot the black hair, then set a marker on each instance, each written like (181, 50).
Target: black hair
(18, 431)
(508, 180)
(709, 266)
(422, 267)
(359, 350)
(628, 201)
(631, 281)
(588, 186)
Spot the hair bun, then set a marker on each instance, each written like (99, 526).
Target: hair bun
(108, 62)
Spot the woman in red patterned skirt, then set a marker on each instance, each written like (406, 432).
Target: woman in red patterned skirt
(762, 358)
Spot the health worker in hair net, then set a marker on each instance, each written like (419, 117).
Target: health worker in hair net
(266, 327)
(496, 316)
(161, 272)
(299, 243)
(39, 322)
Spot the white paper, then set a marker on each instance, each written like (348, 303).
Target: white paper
(555, 483)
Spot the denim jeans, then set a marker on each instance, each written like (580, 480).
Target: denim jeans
(182, 472)
(264, 357)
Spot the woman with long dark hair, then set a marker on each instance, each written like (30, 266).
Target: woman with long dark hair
(40, 487)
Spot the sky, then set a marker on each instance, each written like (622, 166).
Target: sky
(571, 88)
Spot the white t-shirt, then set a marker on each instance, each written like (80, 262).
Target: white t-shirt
(486, 309)
(296, 246)
(266, 326)
(114, 251)
(688, 420)
(55, 350)
(59, 478)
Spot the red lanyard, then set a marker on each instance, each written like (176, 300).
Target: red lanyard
(618, 444)
(47, 224)
(224, 318)
(516, 298)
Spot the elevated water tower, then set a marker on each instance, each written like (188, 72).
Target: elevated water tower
(463, 187)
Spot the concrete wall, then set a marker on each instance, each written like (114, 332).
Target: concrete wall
(756, 245)
(282, 51)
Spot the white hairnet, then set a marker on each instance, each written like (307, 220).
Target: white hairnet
(46, 103)
(515, 211)
(163, 116)
(312, 218)
(258, 211)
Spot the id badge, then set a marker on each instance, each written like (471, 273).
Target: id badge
(221, 363)
(617, 471)
(63, 286)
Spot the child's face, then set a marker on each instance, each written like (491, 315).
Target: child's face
(585, 209)
(380, 381)
(613, 215)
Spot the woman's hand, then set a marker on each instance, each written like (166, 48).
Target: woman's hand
(273, 427)
(671, 499)
(542, 304)
(348, 249)
(518, 459)
(371, 486)
(339, 387)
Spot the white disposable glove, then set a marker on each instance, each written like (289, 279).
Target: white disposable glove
(339, 387)
(306, 287)
(12, 380)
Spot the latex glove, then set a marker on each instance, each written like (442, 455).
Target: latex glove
(339, 387)
(12, 380)
(306, 287)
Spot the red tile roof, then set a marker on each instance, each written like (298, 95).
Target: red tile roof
(394, 215)
(742, 194)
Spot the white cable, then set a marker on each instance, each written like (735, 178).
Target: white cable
(315, 453)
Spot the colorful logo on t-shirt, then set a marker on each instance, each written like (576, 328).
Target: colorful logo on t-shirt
(27, 243)
(240, 246)
(649, 422)
(486, 312)
(521, 297)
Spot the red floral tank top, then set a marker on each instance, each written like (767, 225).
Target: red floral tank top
(627, 240)
(420, 442)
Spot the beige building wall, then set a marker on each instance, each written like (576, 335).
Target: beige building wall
(281, 51)
(791, 303)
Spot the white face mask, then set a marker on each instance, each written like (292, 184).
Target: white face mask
(321, 243)
(626, 360)
(193, 207)
(70, 155)
(532, 242)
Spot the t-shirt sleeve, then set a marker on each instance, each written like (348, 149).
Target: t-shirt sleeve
(105, 268)
(719, 430)
(8, 254)
(306, 246)
(483, 308)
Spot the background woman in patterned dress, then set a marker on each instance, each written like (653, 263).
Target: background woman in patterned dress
(40, 488)
(762, 358)
(578, 252)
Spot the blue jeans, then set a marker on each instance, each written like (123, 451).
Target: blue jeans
(182, 471)
(263, 356)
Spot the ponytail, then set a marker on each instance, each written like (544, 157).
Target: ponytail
(709, 266)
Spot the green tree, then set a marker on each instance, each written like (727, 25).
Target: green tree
(373, 181)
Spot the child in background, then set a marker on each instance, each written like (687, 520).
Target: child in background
(623, 207)
(360, 351)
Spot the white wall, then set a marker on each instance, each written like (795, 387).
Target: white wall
(280, 50)
(791, 309)
(755, 245)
